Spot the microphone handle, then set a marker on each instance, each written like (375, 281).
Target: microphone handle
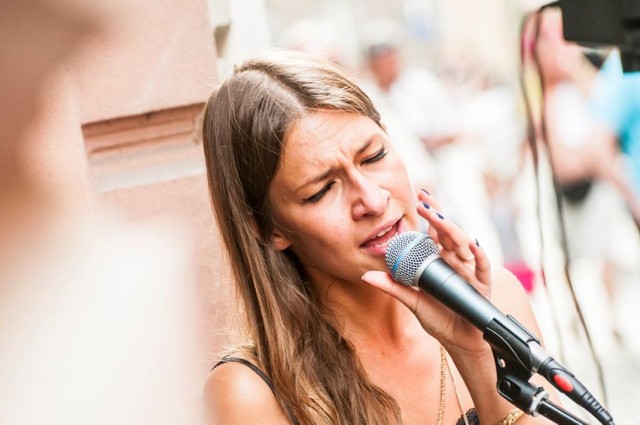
(437, 278)
(504, 334)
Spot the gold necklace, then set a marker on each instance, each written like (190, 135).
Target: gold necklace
(444, 367)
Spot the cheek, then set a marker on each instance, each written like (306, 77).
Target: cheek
(324, 226)
(397, 179)
(318, 231)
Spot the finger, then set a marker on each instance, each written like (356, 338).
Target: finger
(425, 196)
(449, 235)
(466, 269)
(483, 266)
(433, 233)
(424, 209)
(407, 295)
(445, 233)
(427, 201)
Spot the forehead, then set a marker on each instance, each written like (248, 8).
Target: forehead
(319, 142)
(322, 132)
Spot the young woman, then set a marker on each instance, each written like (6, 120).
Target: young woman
(308, 190)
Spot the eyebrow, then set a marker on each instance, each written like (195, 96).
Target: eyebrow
(330, 171)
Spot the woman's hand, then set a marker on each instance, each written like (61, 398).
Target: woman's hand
(467, 259)
(470, 353)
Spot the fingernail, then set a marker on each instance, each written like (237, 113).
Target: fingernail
(477, 243)
(427, 206)
(425, 191)
(440, 216)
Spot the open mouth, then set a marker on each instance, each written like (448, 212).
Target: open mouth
(378, 244)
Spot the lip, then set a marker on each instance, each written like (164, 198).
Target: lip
(380, 249)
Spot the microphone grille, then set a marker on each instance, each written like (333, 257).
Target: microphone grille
(406, 252)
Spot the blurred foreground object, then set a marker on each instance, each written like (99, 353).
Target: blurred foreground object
(97, 320)
(101, 330)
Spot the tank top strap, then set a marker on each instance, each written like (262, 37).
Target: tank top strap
(257, 371)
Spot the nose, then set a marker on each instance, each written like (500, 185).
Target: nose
(370, 198)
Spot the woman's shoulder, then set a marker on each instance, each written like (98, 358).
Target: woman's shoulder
(507, 289)
(235, 393)
(509, 296)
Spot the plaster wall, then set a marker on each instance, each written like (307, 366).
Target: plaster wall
(159, 55)
(140, 86)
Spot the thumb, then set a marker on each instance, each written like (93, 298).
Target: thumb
(408, 295)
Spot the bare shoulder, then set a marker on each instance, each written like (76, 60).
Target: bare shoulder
(233, 394)
(510, 297)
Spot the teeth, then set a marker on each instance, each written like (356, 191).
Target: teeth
(384, 231)
(381, 244)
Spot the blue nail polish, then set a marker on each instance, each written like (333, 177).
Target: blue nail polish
(477, 243)
(427, 206)
(425, 191)
(440, 216)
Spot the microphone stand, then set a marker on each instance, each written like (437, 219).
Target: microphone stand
(518, 355)
(514, 385)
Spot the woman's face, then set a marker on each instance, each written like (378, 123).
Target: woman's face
(339, 195)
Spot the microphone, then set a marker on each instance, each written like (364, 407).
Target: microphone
(413, 259)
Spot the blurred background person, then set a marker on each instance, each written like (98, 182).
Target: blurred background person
(602, 243)
(617, 107)
(586, 164)
(441, 150)
(492, 143)
(387, 82)
(415, 93)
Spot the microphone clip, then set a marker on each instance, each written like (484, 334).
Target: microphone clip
(516, 361)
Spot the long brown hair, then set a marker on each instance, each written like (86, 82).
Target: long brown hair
(316, 374)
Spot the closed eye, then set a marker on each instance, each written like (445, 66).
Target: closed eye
(376, 157)
(320, 194)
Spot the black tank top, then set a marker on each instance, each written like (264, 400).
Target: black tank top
(472, 415)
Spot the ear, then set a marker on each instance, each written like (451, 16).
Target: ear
(255, 229)
(279, 240)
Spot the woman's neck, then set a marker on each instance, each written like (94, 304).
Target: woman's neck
(367, 317)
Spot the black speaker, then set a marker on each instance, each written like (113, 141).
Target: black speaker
(596, 23)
